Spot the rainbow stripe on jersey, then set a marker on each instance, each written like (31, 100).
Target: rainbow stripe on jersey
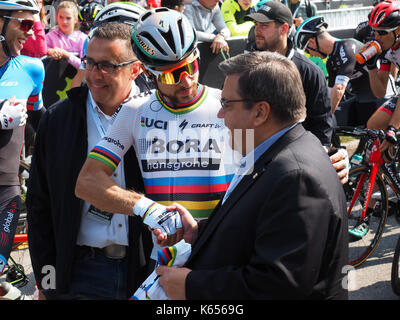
(199, 195)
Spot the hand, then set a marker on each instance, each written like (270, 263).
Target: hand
(173, 281)
(57, 53)
(219, 43)
(12, 114)
(156, 216)
(371, 63)
(298, 21)
(340, 161)
(190, 228)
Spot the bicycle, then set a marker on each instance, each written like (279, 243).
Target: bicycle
(395, 279)
(366, 194)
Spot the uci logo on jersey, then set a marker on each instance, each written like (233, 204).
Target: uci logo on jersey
(9, 84)
(158, 124)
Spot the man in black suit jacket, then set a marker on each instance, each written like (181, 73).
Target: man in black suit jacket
(281, 230)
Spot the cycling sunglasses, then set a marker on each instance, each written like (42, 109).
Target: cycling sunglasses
(24, 24)
(174, 75)
(384, 32)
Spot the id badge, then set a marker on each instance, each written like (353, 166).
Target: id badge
(98, 215)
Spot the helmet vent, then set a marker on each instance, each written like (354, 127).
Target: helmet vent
(149, 37)
(181, 32)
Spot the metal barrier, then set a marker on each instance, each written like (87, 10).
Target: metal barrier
(347, 18)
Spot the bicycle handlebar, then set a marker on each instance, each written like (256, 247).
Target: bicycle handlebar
(360, 132)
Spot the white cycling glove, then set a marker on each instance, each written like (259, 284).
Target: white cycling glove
(12, 115)
(156, 216)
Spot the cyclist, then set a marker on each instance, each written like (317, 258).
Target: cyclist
(21, 80)
(385, 21)
(177, 136)
(344, 73)
(87, 14)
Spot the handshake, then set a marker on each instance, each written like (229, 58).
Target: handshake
(156, 216)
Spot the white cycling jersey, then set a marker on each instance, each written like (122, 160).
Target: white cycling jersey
(183, 150)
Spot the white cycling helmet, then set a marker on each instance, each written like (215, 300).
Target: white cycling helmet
(163, 37)
(126, 12)
(17, 5)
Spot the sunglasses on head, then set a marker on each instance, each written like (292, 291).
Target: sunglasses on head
(174, 75)
(384, 32)
(24, 24)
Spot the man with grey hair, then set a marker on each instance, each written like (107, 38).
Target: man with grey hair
(281, 230)
(96, 254)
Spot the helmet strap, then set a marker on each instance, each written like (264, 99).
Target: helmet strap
(3, 36)
(396, 45)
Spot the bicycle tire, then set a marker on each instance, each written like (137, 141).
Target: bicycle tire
(395, 280)
(361, 250)
(19, 270)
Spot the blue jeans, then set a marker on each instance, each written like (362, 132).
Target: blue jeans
(97, 277)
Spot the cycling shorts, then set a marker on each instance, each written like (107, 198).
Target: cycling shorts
(389, 106)
(10, 207)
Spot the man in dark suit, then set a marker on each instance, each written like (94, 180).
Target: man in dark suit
(280, 232)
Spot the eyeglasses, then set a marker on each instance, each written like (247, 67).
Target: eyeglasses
(24, 24)
(174, 75)
(103, 66)
(224, 101)
(383, 32)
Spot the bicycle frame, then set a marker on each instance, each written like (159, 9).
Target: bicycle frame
(375, 161)
(390, 173)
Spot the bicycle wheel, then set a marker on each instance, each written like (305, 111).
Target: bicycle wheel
(19, 269)
(395, 270)
(362, 248)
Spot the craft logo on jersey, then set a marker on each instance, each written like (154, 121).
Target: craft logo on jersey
(149, 123)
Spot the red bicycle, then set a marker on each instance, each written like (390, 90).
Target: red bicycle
(366, 193)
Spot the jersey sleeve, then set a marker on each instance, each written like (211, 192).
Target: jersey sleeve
(348, 61)
(118, 139)
(35, 100)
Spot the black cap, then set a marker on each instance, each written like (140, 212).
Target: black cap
(272, 11)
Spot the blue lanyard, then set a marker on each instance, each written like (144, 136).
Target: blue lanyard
(96, 119)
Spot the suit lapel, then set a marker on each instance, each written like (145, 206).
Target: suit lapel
(221, 211)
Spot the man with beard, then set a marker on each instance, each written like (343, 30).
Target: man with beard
(273, 23)
(178, 138)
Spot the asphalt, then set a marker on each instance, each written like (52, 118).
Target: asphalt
(370, 281)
